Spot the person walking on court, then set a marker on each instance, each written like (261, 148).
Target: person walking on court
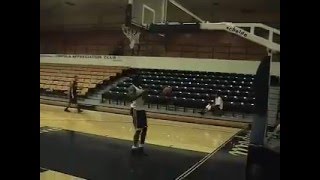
(72, 93)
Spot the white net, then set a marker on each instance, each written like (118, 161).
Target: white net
(132, 34)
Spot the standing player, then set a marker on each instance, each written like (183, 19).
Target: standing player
(139, 116)
(73, 95)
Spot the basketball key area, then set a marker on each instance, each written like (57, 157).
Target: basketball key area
(97, 145)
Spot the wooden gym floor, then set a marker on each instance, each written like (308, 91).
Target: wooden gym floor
(96, 145)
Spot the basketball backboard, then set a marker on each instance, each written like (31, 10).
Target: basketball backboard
(145, 12)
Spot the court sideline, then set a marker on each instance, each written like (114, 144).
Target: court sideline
(184, 142)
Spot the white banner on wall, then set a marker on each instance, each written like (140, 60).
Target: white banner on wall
(79, 56)
(191, 64)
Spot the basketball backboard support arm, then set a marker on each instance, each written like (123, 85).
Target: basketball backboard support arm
(235, 28)
(186, 10)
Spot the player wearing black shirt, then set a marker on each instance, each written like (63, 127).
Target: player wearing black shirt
(73, 95)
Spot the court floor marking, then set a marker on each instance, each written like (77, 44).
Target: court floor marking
(204, 159)
(48, 129)
(150, 122)
(106, 135)
(44, 169)
(51, 174)
(203, 148)
(204, 138)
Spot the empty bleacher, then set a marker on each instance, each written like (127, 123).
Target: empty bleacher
(55, 78)
(192, 89)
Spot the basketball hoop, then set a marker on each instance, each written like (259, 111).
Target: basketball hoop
(132, 34)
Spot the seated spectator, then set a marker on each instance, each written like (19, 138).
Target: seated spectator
(209, 107)
(218, 103)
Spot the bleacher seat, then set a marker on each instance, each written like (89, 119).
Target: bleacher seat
(194, 89)
(55, 78)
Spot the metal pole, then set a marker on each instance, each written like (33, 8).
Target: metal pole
(186, 10)
(262, 85)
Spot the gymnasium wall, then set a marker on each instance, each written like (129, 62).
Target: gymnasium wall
(80, 42)
(206, 44)
(84, 15)
(224, 15)
(192, 64)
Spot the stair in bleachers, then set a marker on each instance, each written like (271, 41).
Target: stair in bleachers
(274, 97)
(97, 95)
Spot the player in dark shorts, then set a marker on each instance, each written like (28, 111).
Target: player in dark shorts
(139, 116)
(73, 95)
(140, 125)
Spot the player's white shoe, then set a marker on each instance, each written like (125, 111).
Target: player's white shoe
(134, 147)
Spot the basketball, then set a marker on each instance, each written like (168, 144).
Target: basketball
(167, 91)
(132, 90)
